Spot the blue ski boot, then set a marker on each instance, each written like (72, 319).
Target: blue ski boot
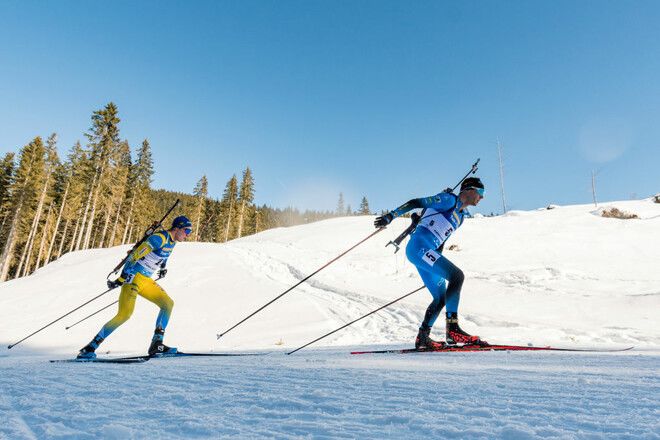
(87, 352)
(157, 348)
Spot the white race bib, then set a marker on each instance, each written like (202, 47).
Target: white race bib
(430, 257)
(437, 224)
(151, 262)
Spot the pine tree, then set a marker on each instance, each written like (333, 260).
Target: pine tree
(139, 183)
(245, 199)
(208, 230)
(6, 176)
(341, 210)
(364, 206)
(81, 168)
(228, 208)
(103, 139)
(24, 191)
(45, 195)
(200, 192)
(119, 191)
(61, 189)
(349, 210)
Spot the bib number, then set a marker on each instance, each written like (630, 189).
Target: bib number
(430, 257)
(439, 226)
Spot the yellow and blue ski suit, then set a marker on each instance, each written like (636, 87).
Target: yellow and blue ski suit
(136, 275)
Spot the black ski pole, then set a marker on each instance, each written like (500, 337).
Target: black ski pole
(219, 335)
(356, 320)
(89, 316)
(61, 317)
(150, 230)
(98, 311)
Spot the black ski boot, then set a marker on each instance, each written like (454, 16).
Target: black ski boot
(87, 352)
(456, 335)
(424, 341)
(157, 347)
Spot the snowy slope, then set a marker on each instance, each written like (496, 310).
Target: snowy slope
(563, 276)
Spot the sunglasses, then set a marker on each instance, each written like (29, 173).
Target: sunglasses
(188, 231)
(479, 191)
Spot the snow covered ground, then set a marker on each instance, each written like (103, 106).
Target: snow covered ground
(564, 277)
(331, 394)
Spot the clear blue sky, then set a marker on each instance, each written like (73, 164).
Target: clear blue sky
(388, 99)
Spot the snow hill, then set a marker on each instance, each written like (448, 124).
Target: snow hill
(564, 276)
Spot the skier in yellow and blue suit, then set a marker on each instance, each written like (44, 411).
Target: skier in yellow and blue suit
(442, 215)
(135, 279)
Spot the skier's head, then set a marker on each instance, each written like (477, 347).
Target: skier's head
(472, 191)
(181, 228)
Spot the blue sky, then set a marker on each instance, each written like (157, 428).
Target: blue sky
(387, 99)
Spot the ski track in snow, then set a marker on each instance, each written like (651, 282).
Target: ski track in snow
(330, 394)
(340, 305)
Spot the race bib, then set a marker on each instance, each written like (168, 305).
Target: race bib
(430, 257)
(438, 225)
(151, 262)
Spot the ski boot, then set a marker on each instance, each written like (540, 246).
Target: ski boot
(424, 341)
(87, 352)
(456, 335)
(157, 348)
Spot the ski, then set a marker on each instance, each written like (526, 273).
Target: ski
(475, 348)
(185, 354)
(124, 360)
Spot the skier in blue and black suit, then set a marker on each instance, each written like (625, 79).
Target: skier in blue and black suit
(442, 215)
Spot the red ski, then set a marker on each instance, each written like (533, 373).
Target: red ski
(489, 347)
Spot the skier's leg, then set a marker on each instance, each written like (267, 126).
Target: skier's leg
(151, 291)
(436, 286)
(154, 293)
(124, 311)
(454, 276)
(438, 303)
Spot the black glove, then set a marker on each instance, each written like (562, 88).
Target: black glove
(383, 220)
(162, 273)
(114, 284)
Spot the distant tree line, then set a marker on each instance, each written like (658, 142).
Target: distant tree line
(100, 195)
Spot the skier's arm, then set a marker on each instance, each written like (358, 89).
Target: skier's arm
(424, 202)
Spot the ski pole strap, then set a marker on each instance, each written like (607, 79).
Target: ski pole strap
(356, 320)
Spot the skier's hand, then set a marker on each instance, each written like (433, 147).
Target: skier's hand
(114, 284)
(162, 273)
(383, 220)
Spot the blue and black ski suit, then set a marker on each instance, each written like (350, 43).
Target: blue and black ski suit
(442, 215)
